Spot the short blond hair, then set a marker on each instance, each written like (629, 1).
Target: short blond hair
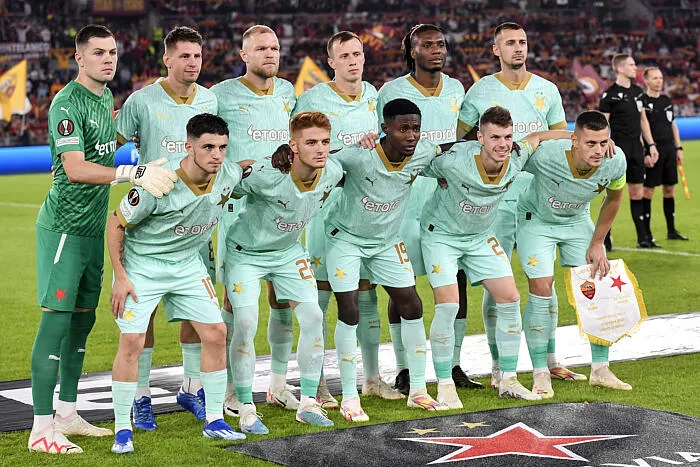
(258, 29)
(618, 59)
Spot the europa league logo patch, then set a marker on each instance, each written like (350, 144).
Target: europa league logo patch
(588, 290)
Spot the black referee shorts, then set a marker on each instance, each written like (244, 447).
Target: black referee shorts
(634, 153)
(665, 170)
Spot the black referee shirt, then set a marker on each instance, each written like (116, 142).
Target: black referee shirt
(660, 115)
(625, 108)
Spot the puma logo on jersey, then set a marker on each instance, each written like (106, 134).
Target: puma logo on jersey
(290, 227)
(373, 206)
(54, 357)
(465, 187)
(64, 109)
(160, 115)
(556, 182)
(93, 122)
(371, 180)
(279, 201)
(244, 109)
(556, 204)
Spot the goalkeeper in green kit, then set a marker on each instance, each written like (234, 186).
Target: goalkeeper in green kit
(70, 236)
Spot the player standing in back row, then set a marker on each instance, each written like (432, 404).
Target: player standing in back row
(257, 108)
(351, 106)
(159, 114)
(70, 236)
(439, 98)
(535, 105)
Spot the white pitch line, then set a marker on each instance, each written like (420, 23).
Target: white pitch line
(657, 251)
(19, 205)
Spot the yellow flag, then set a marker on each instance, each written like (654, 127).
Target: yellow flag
(472, 71)
(309, 75)
(13, 89)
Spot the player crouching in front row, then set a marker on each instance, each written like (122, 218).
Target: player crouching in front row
(154, 247)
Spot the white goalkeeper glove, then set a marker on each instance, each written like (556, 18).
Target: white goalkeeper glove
(155, 179)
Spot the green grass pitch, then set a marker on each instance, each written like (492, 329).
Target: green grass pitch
(668, 282)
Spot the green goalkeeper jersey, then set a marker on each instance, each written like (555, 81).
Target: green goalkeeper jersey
(160, 117)
(79, 120)
(468, 204)
(278, 206)
(351, 117)
(559, 193)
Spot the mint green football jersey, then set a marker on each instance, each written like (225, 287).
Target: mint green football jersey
(439, 111)
(160, 117)
(278, 206)
(535, 105)
(375, 193)
(350, 119)
(258, 121)
(79, 120)
(177, 226)
(559, 193)
(468, 205)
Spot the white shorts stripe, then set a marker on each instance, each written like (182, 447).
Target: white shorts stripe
(60, 248)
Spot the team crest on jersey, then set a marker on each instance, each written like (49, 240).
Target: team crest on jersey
(133, 197)
(588, 290)
(66, 127)
(669, 115)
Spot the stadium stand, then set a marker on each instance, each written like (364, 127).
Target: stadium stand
(557, 34)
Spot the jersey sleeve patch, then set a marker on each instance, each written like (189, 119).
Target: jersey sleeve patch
(65, 127)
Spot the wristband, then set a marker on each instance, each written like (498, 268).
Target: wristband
(652, 144)
(679, 148)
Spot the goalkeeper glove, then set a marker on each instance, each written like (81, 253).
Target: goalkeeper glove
(155, 179)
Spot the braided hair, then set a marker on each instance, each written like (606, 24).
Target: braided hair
(407, 45)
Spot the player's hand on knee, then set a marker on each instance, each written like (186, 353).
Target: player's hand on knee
(121, 289)
(369, 141)
(595, 256)
(282, 158)
(155, 179)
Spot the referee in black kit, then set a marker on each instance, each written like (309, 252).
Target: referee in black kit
(623, 105)
(659, 110)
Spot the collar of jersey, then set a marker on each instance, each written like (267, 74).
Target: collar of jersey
(423, 90)
(177, 99)
(193, 186)
(302, 186)
(390, 166)
(511, 86)
(85, 91)
(574, 171)
(346, 97)
(482, 170)
(270, 91)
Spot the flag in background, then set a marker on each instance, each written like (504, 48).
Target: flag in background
(589, 79)
(310, 75)
(13, 90)
(473, 73)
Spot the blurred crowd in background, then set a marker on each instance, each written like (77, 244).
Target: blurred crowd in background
(664, 34)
